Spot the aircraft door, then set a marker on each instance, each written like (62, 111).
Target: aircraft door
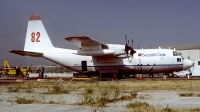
(84, 65)
(138, 63)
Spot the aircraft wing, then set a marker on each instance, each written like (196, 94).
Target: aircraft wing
(86, 43)
(89, 47)
(27, 53)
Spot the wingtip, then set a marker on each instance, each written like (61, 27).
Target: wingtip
(34, 17)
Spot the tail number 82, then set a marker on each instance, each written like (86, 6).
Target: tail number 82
(35, 37)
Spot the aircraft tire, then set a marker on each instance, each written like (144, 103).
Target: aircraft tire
(120, 76)
(89, 76)
(123, 76)
(170, 75)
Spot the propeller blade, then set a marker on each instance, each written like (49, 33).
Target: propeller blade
(132, 50)
(132, 43)
(126, 39)
(127, 48)
(128, 42)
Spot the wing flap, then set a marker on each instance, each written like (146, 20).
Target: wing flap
(27, 53)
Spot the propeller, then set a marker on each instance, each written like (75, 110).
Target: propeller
(127, 48)
(132, 50)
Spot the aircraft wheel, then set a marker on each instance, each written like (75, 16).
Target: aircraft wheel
(123, 77)
(89, 76)
(171, 75)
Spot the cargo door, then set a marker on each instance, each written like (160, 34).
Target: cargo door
(84, 66)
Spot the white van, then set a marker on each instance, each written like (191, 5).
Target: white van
(182, 73)
(196, 68)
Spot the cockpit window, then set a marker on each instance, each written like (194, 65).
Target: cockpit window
(176, 53)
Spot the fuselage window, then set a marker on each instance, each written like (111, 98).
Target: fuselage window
(198, 62)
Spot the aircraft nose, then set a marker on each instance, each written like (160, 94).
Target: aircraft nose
(187, 64)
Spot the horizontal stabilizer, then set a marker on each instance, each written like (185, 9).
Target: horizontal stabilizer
(27, 53)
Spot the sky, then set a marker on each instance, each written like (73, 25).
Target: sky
(150, 23)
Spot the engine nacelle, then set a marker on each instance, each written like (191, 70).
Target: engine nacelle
(95, 52)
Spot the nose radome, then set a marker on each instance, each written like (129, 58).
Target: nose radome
(187, 64)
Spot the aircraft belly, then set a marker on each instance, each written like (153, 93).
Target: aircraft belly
(158, 68)
(113, 66)
(166, 68)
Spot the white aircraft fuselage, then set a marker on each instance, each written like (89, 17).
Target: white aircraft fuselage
(144, 60)
(94, 56)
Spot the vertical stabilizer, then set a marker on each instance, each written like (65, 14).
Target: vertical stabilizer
(37, 39)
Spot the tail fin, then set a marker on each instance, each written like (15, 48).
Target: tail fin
(5, 64)
(37, 39)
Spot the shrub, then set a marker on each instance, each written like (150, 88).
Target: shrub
(24, 101)
(186, 94)
(140, 107)
(12, 89)
(57, 89)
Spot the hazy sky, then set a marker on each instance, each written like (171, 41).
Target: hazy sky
(151, 23)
